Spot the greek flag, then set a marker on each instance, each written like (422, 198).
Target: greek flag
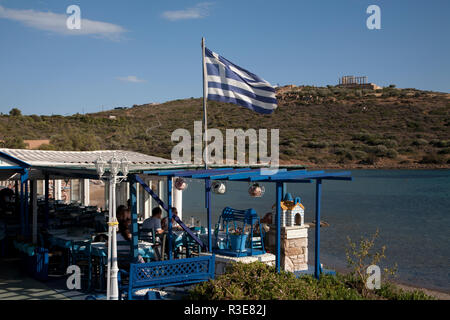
(229, 83)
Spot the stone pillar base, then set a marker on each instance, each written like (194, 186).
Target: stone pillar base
(294, 247)
(222, 262)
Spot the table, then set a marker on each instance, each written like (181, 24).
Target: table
(145, 249)
(62, 239)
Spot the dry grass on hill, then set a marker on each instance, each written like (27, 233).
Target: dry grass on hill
(323, 127)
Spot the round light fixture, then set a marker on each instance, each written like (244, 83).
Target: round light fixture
(256, 190)
(218, 187)
(180, 184)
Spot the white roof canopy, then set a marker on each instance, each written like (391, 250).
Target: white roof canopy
(60, 164)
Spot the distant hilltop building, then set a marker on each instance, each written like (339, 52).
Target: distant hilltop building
(357, 82)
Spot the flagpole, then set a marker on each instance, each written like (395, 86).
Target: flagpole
(205, 93)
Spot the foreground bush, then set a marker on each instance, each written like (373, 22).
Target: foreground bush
(257, 281)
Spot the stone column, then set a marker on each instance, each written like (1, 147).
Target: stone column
(106, 192)
(147, 201)
(178, 201)
(162, 192)
(40, 187)
(57, 189)
(84, 192)
(294, 247)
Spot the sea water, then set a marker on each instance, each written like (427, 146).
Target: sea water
(410, 208)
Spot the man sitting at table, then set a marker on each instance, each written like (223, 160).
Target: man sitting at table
(175, 225)
(154, 222)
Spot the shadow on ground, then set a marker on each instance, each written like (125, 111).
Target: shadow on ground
(15, 285)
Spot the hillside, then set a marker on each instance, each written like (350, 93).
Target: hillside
(324, 127)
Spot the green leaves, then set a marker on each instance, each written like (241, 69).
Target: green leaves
(257, 281)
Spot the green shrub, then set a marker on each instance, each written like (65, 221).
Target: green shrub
(14, 112)
(441, 143)
(316, 145)
(360, 154)
(371, 159)
(13, 143)
(419, 142)
(257, 281)
(391, 292)
(380, 150)
(391, 153)
(432, 158)
(390, 143)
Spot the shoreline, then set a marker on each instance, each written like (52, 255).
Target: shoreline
(381, 166)
(438, 294)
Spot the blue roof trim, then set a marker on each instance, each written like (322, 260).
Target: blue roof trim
(284, 174)
(248, 174)
(20, 163)
(14, 168)
(310, 176)
(182, 173)
(221, 173)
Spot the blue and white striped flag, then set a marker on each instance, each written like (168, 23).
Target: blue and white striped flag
(229, 83)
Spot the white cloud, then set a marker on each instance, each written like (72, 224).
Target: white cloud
(55, 22)
(133, 79)
(199, 11)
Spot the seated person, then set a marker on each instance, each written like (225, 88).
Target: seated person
(124, 235)
(123, 213)
(154, 222)
(175, 225)
(266, 221)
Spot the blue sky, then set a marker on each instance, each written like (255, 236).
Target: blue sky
(140, 51)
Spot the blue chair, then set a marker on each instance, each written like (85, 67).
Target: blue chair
(124, 257)
(149, 235)
(81, 255)
(191, 247)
